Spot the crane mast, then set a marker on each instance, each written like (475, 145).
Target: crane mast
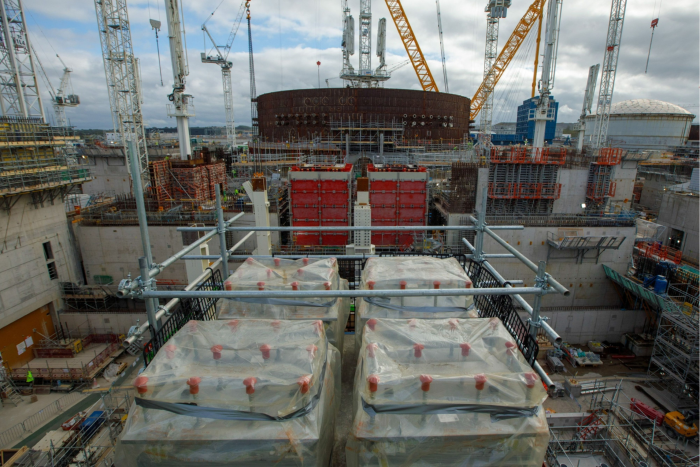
(442, 46)
(348, 43)
(19, 86)
(543, 112)
(253, 91)
(607, 77)
(121, 73)
(495, 10)
(62, 99)
(221, 58)
(365, 37)
(180, 107)
(587, 103)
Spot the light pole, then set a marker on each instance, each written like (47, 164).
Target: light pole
(319, 74)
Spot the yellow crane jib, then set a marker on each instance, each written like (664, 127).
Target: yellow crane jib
(411, 44)
(508, 52)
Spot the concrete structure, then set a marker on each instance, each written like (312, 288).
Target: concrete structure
(645, 124)
(109, 168)
(679, 213)
(38, 250)
(113, 251)
(587, 281)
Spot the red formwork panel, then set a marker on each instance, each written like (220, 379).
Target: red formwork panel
(396, 202)
(335, 206)
(321, 201)
(382, 198)
(305, 198)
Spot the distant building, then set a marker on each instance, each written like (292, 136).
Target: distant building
(525, 126)
(504, 128)
(645, 124)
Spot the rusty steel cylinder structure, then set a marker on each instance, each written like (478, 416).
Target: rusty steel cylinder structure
(309, 113)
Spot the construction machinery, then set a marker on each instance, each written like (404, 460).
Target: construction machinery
(587, 103)
(410, 43)
(607, 77)
(251, 68)
(365, 76)
(220, 57)
(544, 113)
(181, 107)
(678, 427)
(495, 10)
(19, 86)
(507, 53)
(62, 99)
(122, 75)
(442, 46)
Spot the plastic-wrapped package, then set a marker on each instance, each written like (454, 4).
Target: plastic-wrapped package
(284, 274)
(236, 393)
(413, 272)
(445, 392)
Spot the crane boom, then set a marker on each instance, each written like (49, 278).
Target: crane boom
(442, 46)
(507, 53)
(413, 50)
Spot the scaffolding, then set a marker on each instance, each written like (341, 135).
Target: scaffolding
(600, 185)
(524, 180)
(90, 441)
(36, 159)
(581, 245)
(611, 430)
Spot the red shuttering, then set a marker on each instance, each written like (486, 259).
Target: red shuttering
(320, 196)
(397, 195)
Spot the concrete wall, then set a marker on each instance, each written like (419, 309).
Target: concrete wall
(680, 212)
(573, 191)
(115, 250)
(587, 282)
(25, 284)
(111, 175)
(625, 174)
(653, 191)
(101, 323)
(581, 326)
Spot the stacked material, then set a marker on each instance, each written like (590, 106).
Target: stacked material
(284, 274)
(236, 393)
(445, 392)
(413, 272)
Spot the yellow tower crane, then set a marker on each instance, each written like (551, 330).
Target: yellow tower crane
(411, 44)
(533, 13)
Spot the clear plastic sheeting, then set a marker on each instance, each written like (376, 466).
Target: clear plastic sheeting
(264, 368)
(284, 274)
(413, 272)
(445, 392)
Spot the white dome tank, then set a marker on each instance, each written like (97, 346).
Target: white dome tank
(644, 124)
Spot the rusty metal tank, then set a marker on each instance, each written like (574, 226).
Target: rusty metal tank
(305, 113)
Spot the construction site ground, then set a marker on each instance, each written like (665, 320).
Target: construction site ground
(78, 361)
(12, 415)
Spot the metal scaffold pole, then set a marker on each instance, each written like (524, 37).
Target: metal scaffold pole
(222, 232)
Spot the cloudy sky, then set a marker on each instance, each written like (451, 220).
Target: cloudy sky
(290, 36)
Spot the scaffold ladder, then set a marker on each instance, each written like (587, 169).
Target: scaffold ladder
(9, 389)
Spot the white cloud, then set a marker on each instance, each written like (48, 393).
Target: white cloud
(310, 31)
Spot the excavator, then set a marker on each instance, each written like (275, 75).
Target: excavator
(682, 426)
